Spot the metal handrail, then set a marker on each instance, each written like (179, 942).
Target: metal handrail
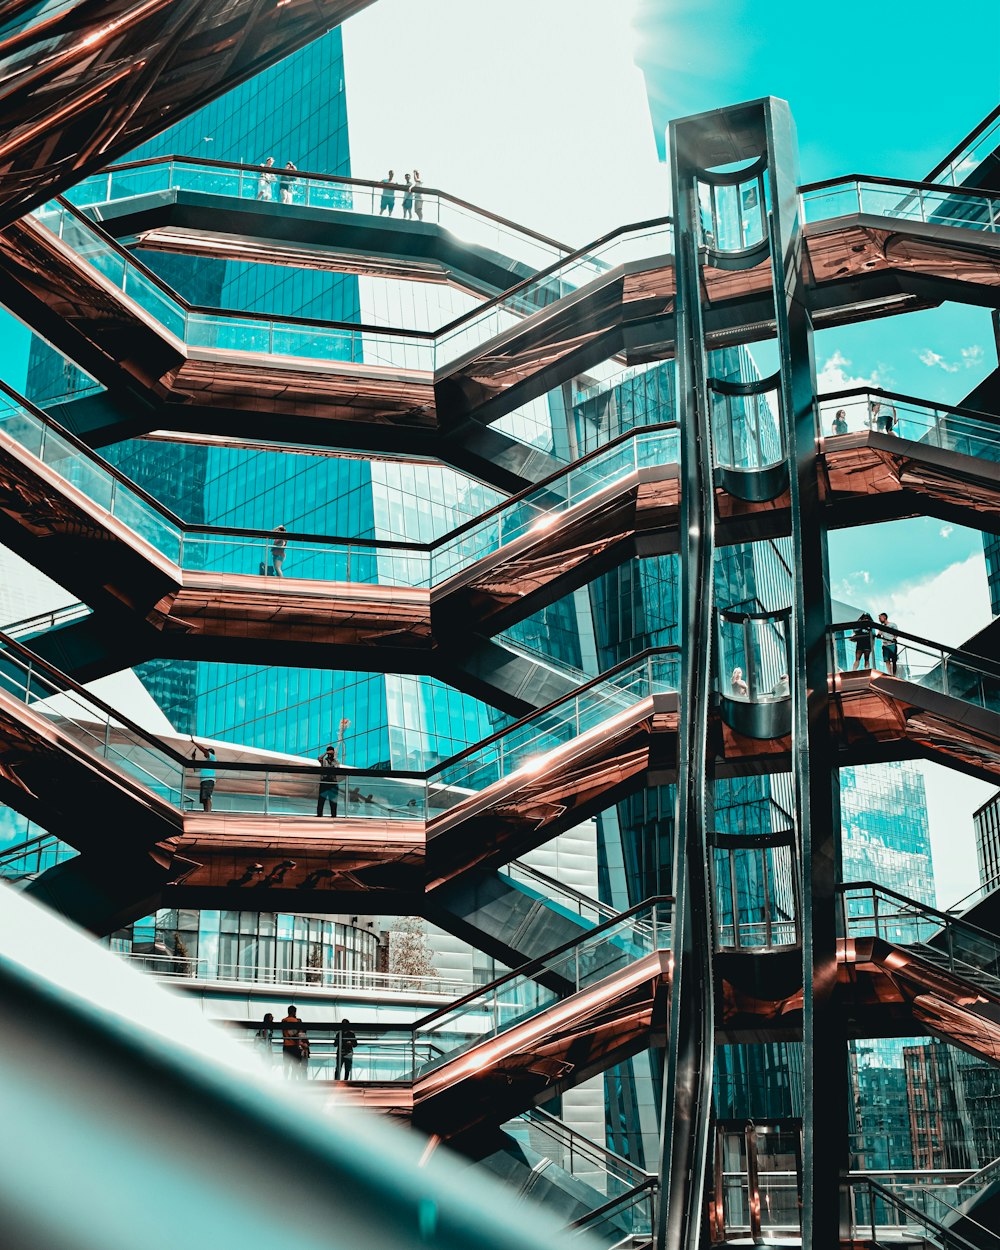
(68, 685)
(186, 528)
(539, 964)
(628, 1198)
(314, 176)
(964, 144)
(21, 849)
(559, 1130)
(558, 887)
(634, 661)
(950, 1238)
(974, 414)
(976, 662)
(945, 918)
(579, 254)
(879, 180)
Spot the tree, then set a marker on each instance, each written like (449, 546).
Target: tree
(314, 963)
(181, 953)
(409, 952)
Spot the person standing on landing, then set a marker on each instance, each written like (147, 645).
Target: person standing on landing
(388, 201)
(206, 787)
(890, 643)
(265, 181)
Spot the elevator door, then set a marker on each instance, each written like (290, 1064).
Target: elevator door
(758, 1182)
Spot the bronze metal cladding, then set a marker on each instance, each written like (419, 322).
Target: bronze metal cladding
(860, 466)
(236, 605)
(875, 710)
(86, 82)
(493, 378)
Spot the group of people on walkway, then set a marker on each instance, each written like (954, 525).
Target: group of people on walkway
(865, 633)
(331, 764)
(285, 179)
(295, 1049)
(881, 418)
(412, 194)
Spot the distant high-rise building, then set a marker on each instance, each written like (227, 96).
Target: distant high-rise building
(986, 823)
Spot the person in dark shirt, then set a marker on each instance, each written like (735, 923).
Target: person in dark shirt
(890, 643)
(347, 1041)
(329, 781)
(862, 639)
(285, 183)
(207, 786)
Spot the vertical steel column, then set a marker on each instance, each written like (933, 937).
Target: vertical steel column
(687, 1091)
(814, 756)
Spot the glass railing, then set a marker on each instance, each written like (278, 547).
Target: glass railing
(963, 161)
(575, 1154)
(409, 1052)
(588, 910)
(271, 336)
(924, 1218)
(882, 412)
(956, 674)
(90, 724)
(870, 910)
(85, 471)
(924, 202)
(297, 557)
(289, 788)
(643, 242)
(520, 996)
(30, 858)
(29, 626)
(283, 555)
(521, 247)
(288, 338)
(523, 750)
(622, 1220)
(540, 510)
(173, 967)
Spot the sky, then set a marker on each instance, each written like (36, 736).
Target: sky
(563, 129)
(554, 112)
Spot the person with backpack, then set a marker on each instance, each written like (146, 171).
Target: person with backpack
(347, 1042)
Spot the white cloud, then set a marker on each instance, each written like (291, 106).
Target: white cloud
(835, 375)
(946, 607)
(971, 357)
(946, 531)
(935, 360)
(850, 587)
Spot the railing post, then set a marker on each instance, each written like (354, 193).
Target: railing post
(944, 674)
(267, 793)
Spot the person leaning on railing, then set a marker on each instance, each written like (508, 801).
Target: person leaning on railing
(890, 643)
